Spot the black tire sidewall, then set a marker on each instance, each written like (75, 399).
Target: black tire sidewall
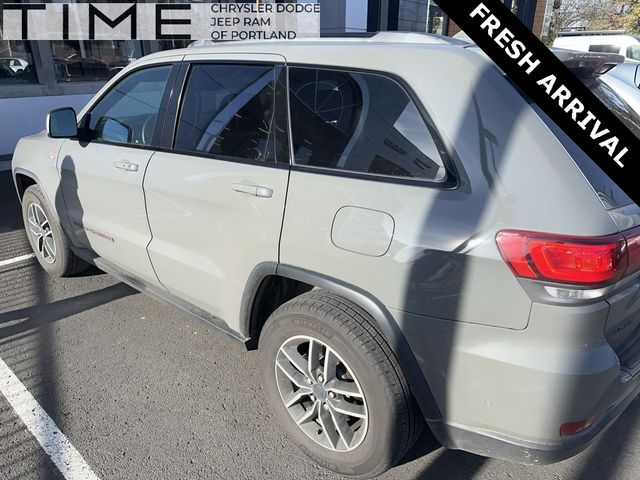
(33, 194)
(374, 454)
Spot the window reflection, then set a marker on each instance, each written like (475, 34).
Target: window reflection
(616, 104)
(92, 60)
(234, 111)
(131, 107)
(16, 63)
(633, 52)
(361, 123)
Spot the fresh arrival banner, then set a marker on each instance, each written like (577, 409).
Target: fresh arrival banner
(547, 81)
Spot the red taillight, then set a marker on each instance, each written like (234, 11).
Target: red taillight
(633, 251)
(571, 428)
(572, 260)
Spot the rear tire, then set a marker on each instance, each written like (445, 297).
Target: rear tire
(350, 349)
(48, 241)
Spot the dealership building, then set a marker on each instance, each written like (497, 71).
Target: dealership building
(38, 76)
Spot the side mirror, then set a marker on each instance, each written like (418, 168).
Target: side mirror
(62, 123)
(115, 131)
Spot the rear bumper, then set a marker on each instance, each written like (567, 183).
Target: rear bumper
(522, 451)
(505, 393)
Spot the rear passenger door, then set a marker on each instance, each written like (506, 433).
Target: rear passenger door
(215, 198)
(368, 171)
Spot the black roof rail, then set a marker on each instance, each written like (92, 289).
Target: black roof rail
(347, 34)
(584, 33)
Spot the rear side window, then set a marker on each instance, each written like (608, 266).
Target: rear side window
(360, 122)
(234, 112)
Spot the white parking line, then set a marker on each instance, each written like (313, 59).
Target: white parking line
(53, 441)
(21, 258)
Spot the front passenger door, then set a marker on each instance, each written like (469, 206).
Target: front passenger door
(102, 174)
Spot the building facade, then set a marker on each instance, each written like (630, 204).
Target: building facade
(38, 76)
(427, 16)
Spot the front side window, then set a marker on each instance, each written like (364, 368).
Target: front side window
(234, 112)
(128, 112)
(360, 122)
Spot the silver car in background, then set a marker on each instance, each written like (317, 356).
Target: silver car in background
(624, 79)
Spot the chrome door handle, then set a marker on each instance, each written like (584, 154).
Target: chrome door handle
(128, 166)
(264, 192)
(255, 190)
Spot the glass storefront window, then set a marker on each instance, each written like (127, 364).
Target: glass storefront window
(435, 19)
(421, 16)
(171, 44)
(412, 15)
(92, 60)
(16, 63)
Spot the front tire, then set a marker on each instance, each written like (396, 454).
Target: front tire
(48, 241)
(336, 386)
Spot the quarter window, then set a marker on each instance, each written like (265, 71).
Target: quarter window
(234, 112)
(128, 112)
(360, 122)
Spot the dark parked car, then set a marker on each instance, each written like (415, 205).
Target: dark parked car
(80, 69)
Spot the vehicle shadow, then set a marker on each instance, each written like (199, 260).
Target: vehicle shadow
(29, 346)
(10, 213)
(69, 206)
(607, 457)
(447, 464)
(46, 314)
(31, 303)
(442, 276)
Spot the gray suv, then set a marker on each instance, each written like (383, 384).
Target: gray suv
(406, 239)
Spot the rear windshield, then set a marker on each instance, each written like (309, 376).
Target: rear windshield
(616, 104)
(610, 194)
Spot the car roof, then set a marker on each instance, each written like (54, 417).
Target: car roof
(281, 47)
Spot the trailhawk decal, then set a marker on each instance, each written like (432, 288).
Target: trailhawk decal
(98, 233)
(556, 90)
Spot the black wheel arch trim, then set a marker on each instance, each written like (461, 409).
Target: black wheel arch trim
(384, 320)
(27, 173)
(61, 217)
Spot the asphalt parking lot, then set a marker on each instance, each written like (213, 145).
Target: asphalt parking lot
(143, 392)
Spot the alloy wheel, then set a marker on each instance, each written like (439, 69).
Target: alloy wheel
(41, 233)
(321, 393)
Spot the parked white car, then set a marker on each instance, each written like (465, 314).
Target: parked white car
(15, 64)
(618, 42)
